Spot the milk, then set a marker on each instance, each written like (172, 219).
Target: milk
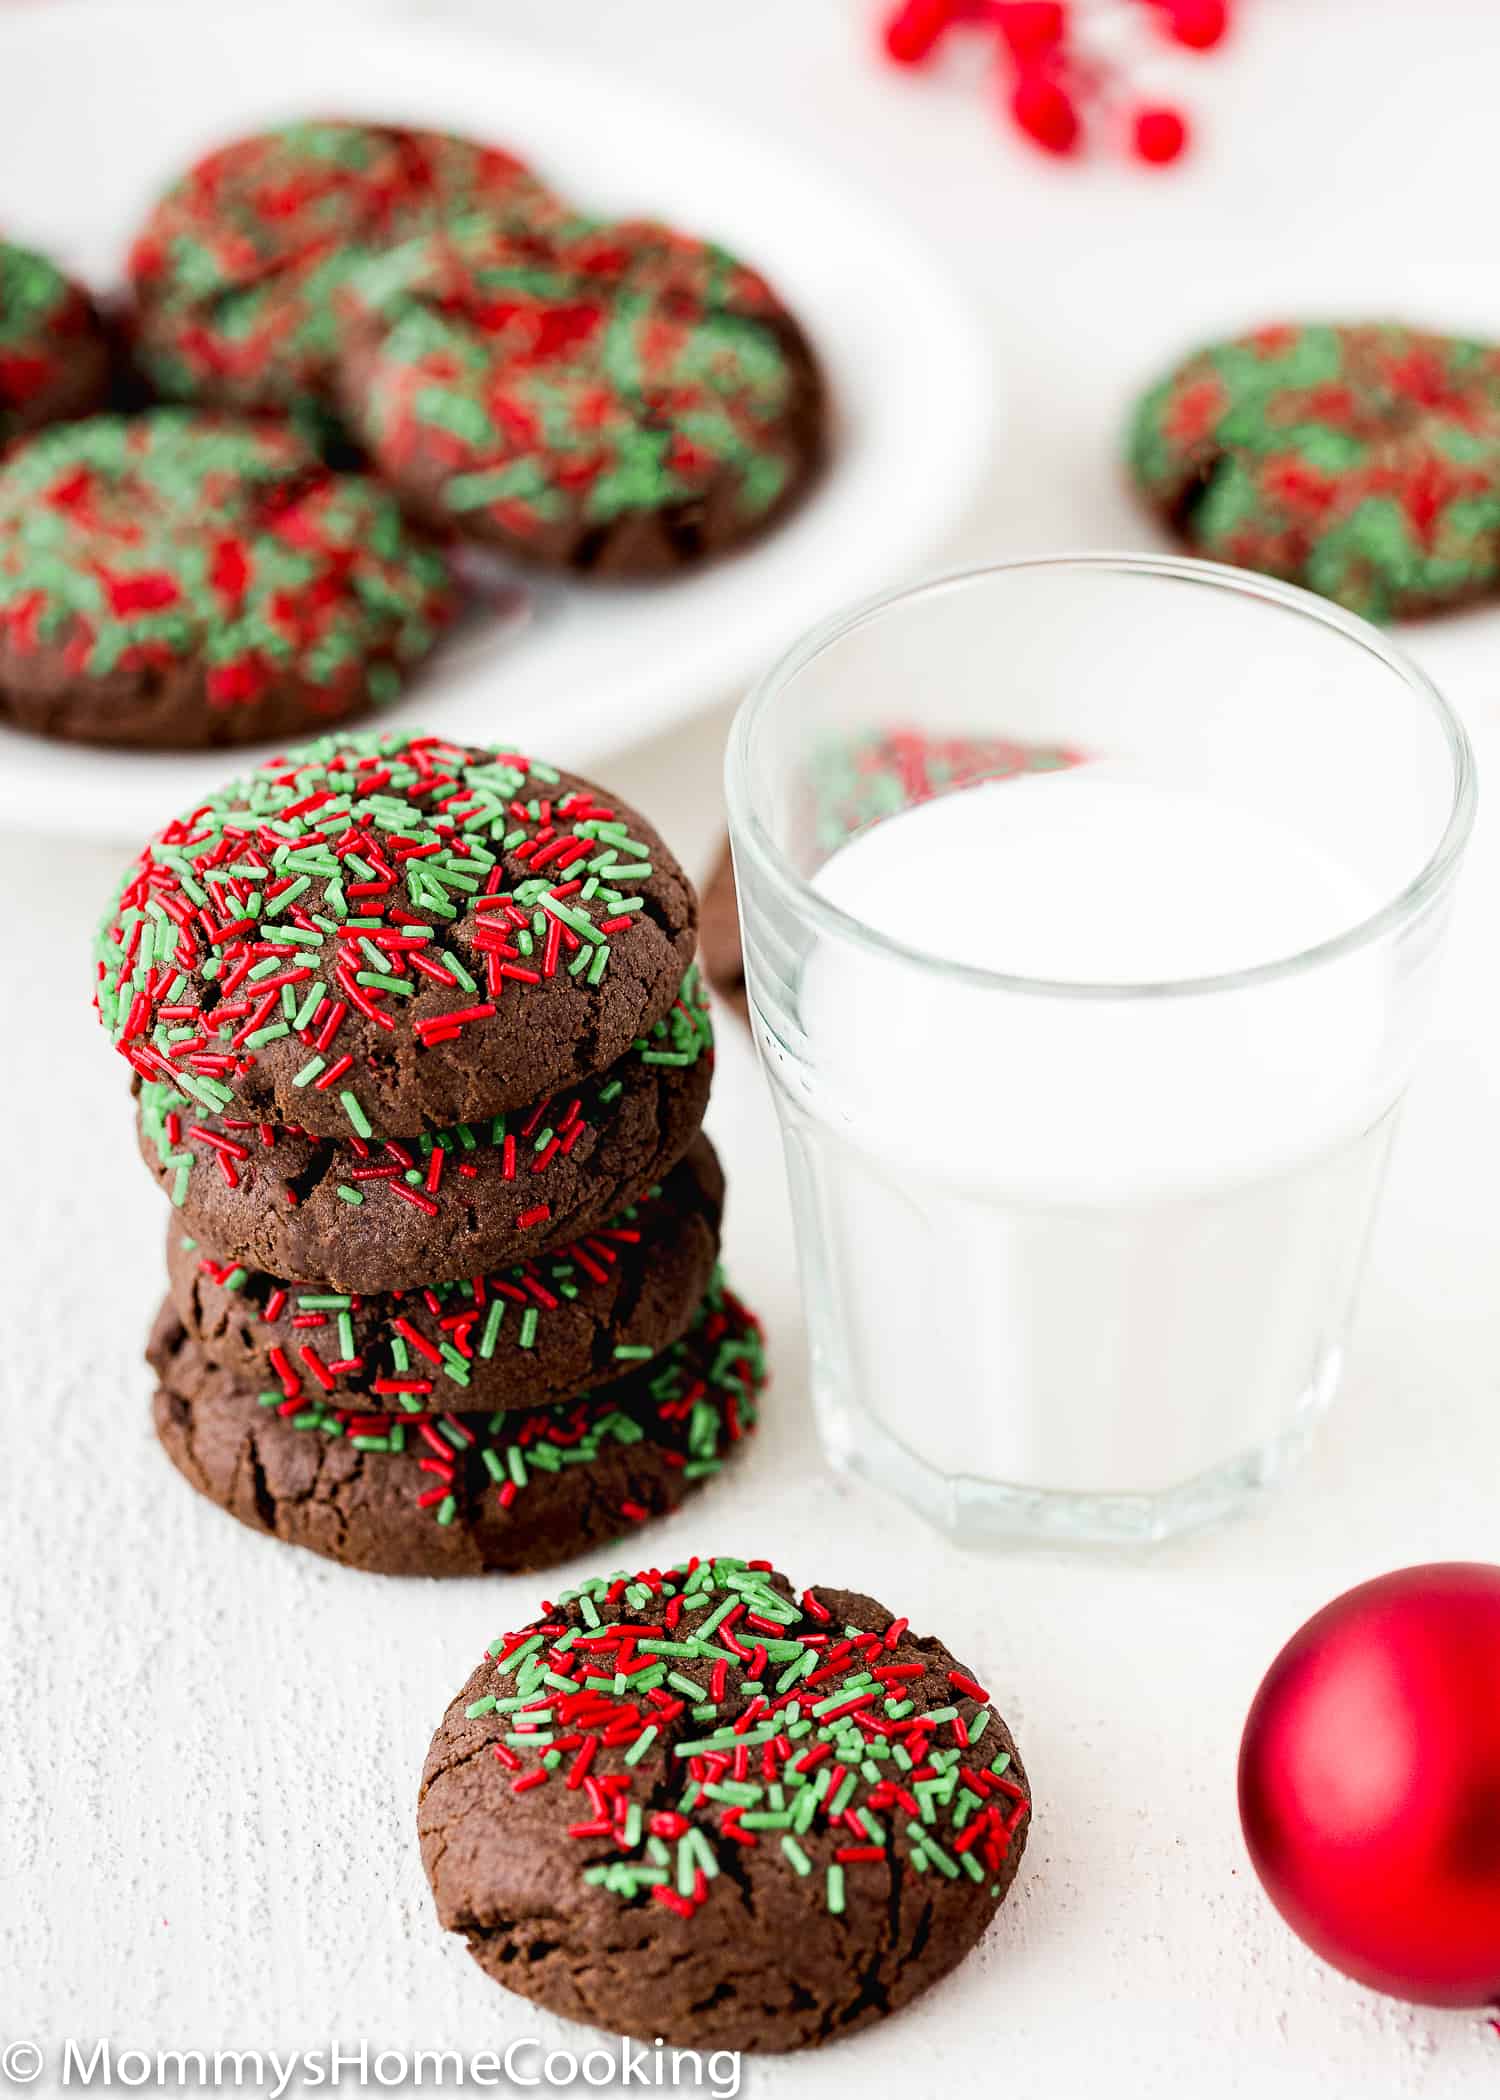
(1099, 1246)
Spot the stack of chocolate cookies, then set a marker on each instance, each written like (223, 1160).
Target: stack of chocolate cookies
(421, 1063)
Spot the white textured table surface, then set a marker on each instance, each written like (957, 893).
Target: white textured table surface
(209, 1746)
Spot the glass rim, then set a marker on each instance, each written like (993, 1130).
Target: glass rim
(748, 833)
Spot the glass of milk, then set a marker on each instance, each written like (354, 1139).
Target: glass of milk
(1091, 913)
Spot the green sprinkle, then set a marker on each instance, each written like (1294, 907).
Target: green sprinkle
(491, 1333)
(355, 1113)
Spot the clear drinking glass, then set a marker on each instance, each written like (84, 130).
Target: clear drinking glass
(1087, 1077)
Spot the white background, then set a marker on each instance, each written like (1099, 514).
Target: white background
(209, 1745)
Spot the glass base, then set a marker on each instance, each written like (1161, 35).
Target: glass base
(988, 1513)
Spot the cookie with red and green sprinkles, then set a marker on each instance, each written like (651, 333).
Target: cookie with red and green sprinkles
(699, 1804)
(54, 351)
(584, 1313)
(856, 784)
(1362, 462)
(178, 580)
(375, 1214)
(459, 1494)
(389, 933)
(618, 399)
(237, 271)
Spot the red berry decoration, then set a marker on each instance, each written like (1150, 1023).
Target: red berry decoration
(1033, 29)
(1370, 1783)
(1045, 112)
(1052, 77)
(1160, 135)
(1200, 24)
(914, 30)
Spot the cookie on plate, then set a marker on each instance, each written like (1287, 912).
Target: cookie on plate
(457, 1494)
(1361, 462)
(391, 1214)
(177, 580)
(582, 1314)
(54, 350)
(616, 398)
(776, 1817)
(236, 272)
(384, 934)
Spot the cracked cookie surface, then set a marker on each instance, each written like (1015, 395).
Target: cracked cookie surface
(541, 1331)
(460, 1494)
(701, 1805)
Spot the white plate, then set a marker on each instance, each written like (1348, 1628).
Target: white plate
(101, 104)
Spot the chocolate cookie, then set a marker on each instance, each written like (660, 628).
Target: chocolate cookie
(237, 270)
(617, 398)
(385, 934)
(1362, 462)
(54, 350)
(858, 781)
(172, 579)
(584, 1313)
(719, 939)
(390, 1214)
(693, 1805)
(457, 1494)
(854, 784)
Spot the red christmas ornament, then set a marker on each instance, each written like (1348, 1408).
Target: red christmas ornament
(1370, 1783)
